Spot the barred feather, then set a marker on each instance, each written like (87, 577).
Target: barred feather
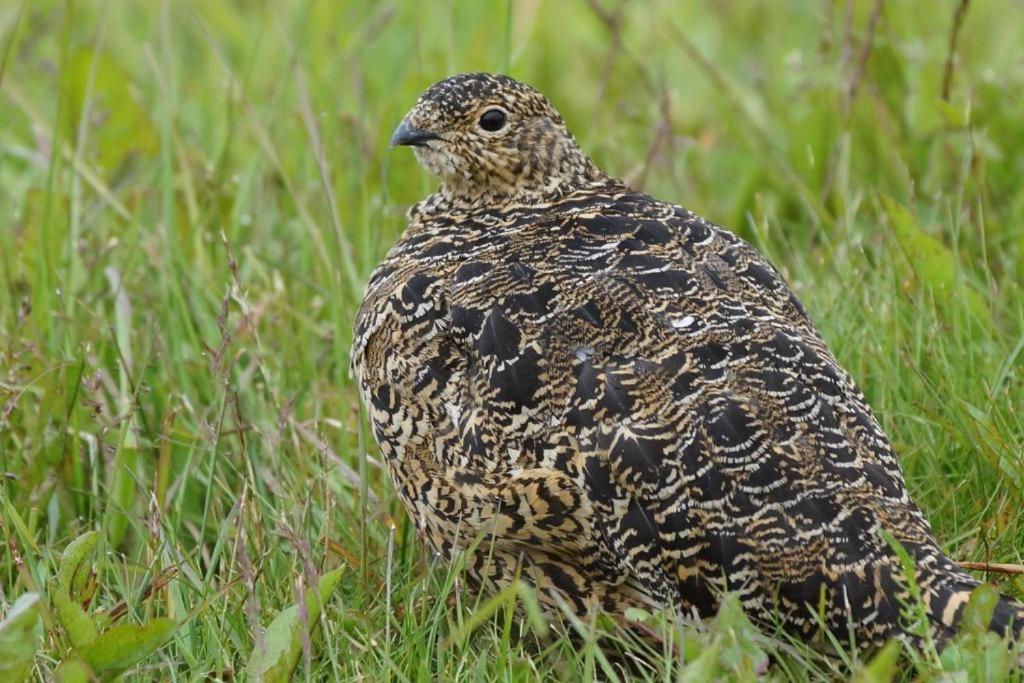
(624, 399)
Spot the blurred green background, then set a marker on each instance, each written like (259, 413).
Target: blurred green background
(192, 194)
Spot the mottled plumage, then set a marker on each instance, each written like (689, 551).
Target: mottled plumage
(624, 400)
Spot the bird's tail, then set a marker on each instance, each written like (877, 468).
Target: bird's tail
(946, 603)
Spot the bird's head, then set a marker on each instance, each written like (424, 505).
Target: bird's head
(491, 136)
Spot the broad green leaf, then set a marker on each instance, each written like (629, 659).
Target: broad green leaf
(977, 657)
(933, 264)
(282, 641)
(929, 257)
(75, 575)
(954, 659)
(693, 645)
(993, 659)
(19, 638)
(637, 614)
(73, 670)
(125, 645)
(978, 653)
(125, 128)
(978, 612)
(79, 626)
(705, 666)
(740, 650)
(882, 667)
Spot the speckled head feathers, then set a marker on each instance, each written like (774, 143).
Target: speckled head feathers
(489, 135)
(463, 94)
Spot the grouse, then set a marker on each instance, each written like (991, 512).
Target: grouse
(621, 402)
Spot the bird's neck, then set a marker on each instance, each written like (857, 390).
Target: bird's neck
(575, 173)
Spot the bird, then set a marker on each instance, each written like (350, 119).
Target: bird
(578, 385)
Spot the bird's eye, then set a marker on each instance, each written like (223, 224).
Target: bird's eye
(492, 120)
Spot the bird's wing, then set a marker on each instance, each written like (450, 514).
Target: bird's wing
(638, 392)
(666, 367)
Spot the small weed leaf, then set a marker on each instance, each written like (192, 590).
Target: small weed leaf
(979, 610)
(933, 264)
(931, 260)
(977, 657)
(19, 638)
(283, 638)
(705, 666)
(73, 670)
(740, 652)
(637, 614)
(75, 575)
(79, 626)
(125, 645)
(977, 653)
(128, 130)
(882, 667)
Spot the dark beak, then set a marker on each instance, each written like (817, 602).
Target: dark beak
(407, 135)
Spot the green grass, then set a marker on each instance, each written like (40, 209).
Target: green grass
(192, 193)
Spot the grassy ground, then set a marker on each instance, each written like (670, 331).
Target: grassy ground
(192, 193)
